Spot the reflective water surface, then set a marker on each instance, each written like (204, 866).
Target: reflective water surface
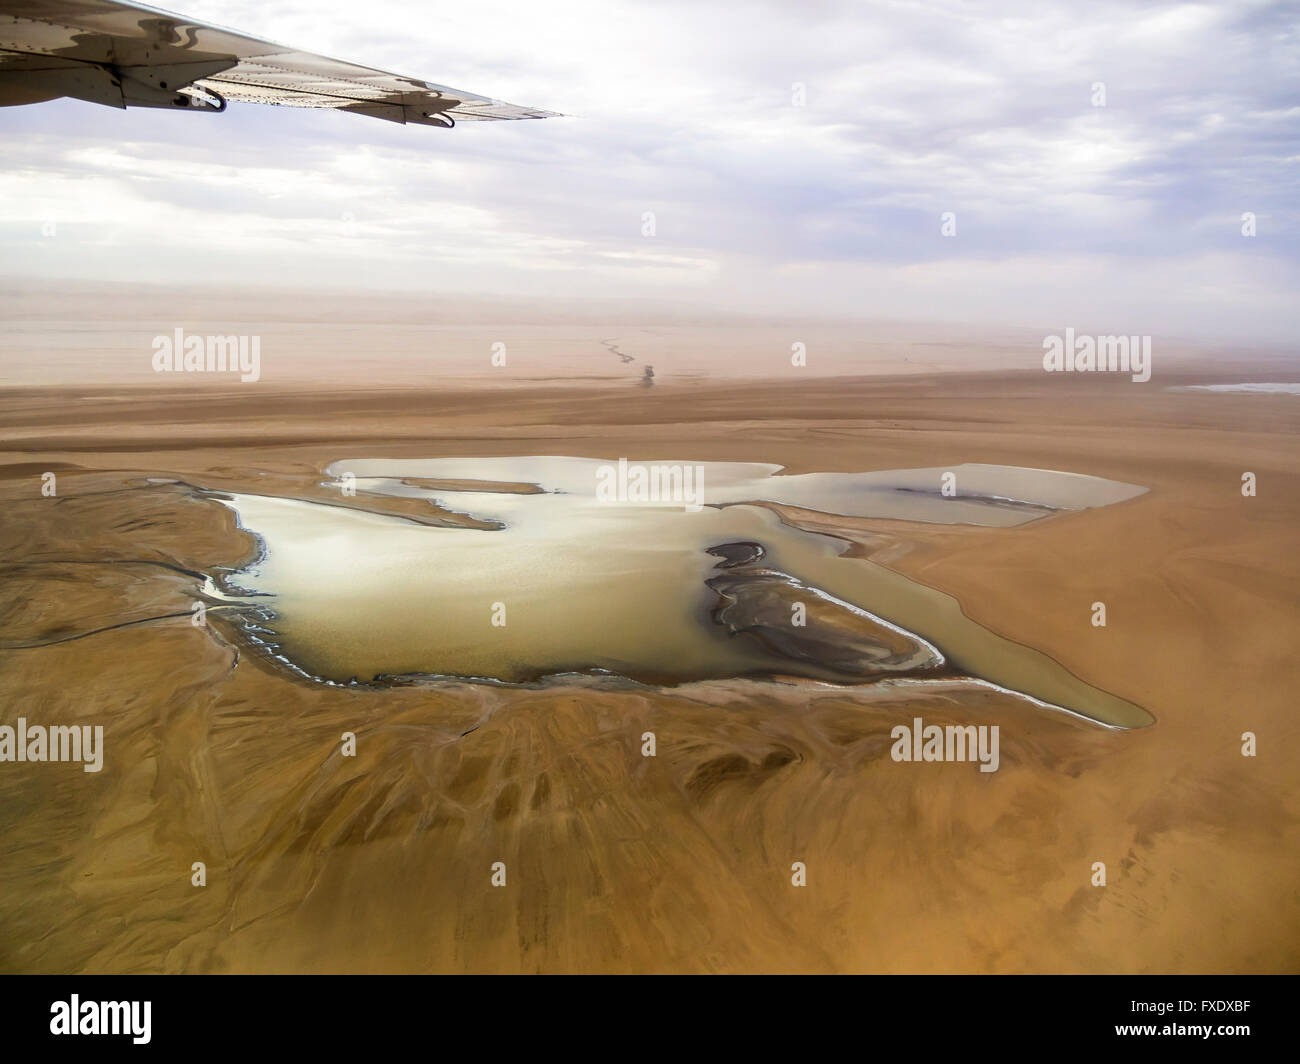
(563, 564)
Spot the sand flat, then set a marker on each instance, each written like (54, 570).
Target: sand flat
(680, 862)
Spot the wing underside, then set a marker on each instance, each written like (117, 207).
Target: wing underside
(127, 55)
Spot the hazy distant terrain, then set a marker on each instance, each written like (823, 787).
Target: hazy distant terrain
(77, 333)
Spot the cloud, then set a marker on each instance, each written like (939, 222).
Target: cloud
(797, 156)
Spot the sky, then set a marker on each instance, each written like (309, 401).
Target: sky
(798, 158)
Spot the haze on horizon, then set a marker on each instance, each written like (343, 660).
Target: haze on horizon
(1128, 215)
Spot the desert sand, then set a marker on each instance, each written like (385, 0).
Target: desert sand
(617, 862)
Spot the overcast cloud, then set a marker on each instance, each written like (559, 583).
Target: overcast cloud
(1128, 216)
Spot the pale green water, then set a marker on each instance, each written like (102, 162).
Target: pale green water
(619, 586)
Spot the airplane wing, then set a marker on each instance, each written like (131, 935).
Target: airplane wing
(129, 55)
